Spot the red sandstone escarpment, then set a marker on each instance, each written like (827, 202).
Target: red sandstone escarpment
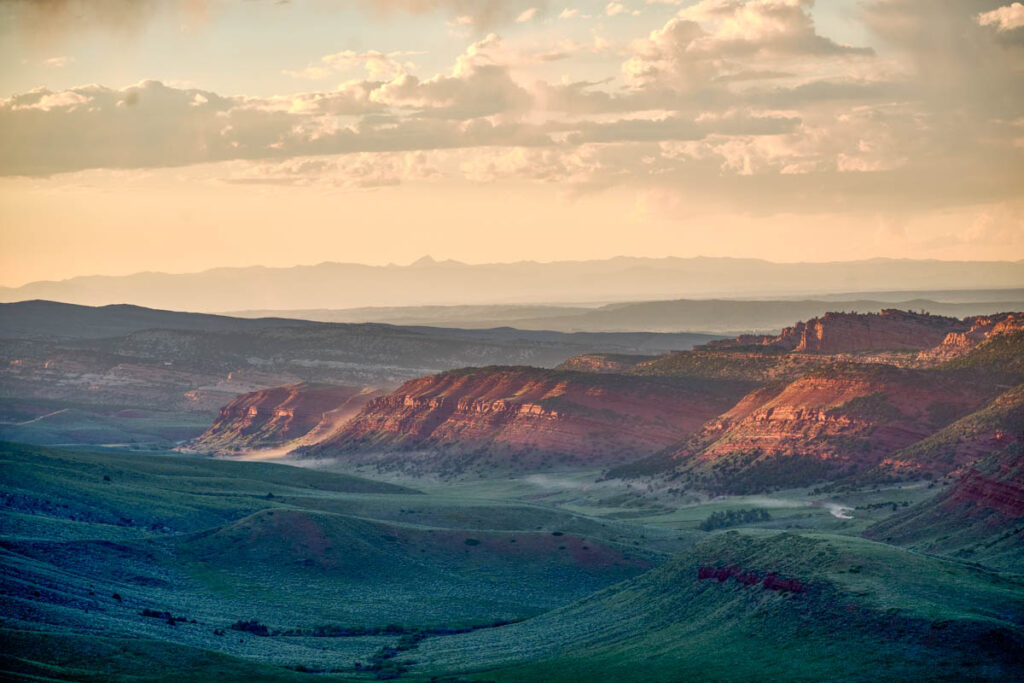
(830, 416)
(271, 417)
(890, 330)
(841, 419)
(525, 412)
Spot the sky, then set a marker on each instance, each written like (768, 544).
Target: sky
(163, 135)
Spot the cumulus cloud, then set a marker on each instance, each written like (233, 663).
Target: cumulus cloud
(153, 125)
(1004, 18)
(476, 87)
(715, 38)
(526, 15)
(740, 102)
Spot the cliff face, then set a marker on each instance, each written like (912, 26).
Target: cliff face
(830, 422)
(272, 417)
(527, 416)
(890, 330)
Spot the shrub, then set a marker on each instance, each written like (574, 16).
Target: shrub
(728, 518)
(252, 626)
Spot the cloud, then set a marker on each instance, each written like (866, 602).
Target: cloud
(678, 128)
(1004, 18)
(52, 20)
(481, 14)
(713, 38)
(741, 103)
(353, 171)
(58, 62)
(153, 125)
(526, 15)
(378, 65)
(476, 87)
(42, 99)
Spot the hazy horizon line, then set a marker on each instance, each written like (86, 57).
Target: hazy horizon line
(428, 261)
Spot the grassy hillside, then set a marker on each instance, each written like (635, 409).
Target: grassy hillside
(752, 367)
(150, 430)
(979, 518)
(998, 359)
(974, 435)
(175, 550)
(837, 609)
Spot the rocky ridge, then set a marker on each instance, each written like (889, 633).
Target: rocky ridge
(530, 415)
(889, 330)
(272, 417)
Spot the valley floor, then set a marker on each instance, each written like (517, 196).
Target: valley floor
(133, 567)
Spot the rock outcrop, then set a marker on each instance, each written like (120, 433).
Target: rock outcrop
(769, 581)
(604, 362)
(529, 418)
(979, 329)
(834, 421)
(298, 413)
(889, 330)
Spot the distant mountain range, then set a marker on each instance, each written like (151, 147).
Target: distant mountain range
(429, 282)
(716, 316)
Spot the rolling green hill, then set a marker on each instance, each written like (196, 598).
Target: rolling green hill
(839, 609)
(93, 545)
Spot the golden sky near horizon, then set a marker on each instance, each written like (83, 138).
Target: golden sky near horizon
(178, 136)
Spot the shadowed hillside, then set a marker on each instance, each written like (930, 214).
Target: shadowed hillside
(764, 607)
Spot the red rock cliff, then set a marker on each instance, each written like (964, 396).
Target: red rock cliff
(522, 411)
(890, 330)
(845, 418)
(271, 417)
